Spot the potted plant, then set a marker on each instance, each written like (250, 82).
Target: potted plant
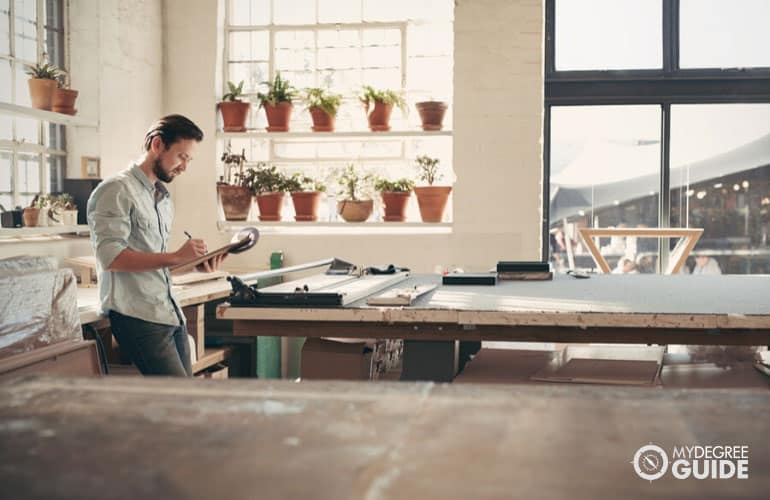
(269, 186)
(31, 215)
(323, 106)
(431, 199)
(395, 196)
(306, 195)
(232, 188)
(431, 114)
(64, 99)
(277, 103)
(351, 207)
(234, 111)
(379, 105)
(42, 85)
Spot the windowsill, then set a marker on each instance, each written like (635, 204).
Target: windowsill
(48, 116)
(27, 234)
(340, 228)
(259, 133)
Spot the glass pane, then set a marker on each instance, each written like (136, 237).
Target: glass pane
(252, 74)
(605, 172)
(382, 57)
(54, 43)
(433, 39)
(57, 170)
(6, 173)
(249, 46)
(54, 14)
(608, 34)
(249, 12)
(5, 76)
(25, 30)
(339, 11)
(720, 181)
(6, 200)
(28, 130)
(295, 12)
(29, 173)
(719, 34)
(22, 87)
(6, 127)
(392, 10)
(5, 27)
(55, 137)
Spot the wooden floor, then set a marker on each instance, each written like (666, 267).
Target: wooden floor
(116, 438)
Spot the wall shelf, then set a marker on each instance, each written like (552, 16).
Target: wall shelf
(363, 134)
(352, 228)
(18, 232)
(48, 116)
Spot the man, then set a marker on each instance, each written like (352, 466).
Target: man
(130, 218)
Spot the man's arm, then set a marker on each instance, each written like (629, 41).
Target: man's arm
(131, 260)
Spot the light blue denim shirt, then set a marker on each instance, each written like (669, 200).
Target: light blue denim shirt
(128, 211)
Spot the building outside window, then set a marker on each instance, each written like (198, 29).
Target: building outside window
(32, 152)
(658, 115)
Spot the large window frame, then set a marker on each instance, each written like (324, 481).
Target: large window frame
(665, 87)
(52, 160)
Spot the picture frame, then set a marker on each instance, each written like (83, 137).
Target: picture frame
(90, 167)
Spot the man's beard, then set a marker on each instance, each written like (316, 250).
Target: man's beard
(161, 174)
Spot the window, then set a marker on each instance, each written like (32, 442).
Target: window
(677, 139)
(32, 152)
(342, 45)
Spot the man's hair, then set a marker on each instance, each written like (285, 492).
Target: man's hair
(172, 128)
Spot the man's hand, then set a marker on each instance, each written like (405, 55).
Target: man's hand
(191, 249)
(212, 264)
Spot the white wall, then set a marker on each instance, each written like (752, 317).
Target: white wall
(116, 62)
(497, 110)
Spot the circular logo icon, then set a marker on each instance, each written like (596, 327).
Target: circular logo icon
(650, 462)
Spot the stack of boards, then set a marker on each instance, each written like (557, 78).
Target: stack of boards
(506, 271)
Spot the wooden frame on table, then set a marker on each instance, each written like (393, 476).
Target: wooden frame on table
(90, 167)
(689, 237)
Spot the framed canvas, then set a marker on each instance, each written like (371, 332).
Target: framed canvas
(89, 167)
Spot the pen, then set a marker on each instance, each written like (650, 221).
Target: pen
(189, 236)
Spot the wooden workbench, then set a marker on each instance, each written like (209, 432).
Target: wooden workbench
(116, 438)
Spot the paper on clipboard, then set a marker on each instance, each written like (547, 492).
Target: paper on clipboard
(245, 239)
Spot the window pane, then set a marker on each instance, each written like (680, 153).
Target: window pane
(6, 127)
(605, 172)
(249, 46)
(22, 87)
(249, 12)
(6, 200)
(54, 43)
(55, 137)
(295, 12)
(57, 169)
(5, 76)
(54, 15)
(720, 181)
(608, 34)
(252, 74)
(29, 173)
(6, 173)
(25, 30)
(5, 28)
(339, 11)
(392, 10)
(28, 130)
(719, 34)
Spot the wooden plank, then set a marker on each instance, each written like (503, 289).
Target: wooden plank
(211, 357)
(195, 317)
(400, 296)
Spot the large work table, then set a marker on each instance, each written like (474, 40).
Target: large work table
(675, 309)
(123, 438)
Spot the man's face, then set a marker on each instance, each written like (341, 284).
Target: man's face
(172, 161)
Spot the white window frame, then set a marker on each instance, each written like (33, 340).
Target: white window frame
(14, 146)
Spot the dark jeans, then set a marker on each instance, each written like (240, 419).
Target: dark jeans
(154, 348)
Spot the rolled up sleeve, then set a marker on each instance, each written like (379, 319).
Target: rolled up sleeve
(109, 219)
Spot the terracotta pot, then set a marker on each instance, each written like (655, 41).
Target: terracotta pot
(235, 201)
(355, 210)
(41, 92)
(379, 118)
(270, 205)
(31, 217)
(234, 115)
(431, 114)
(395, 205)
(432, 201)
(322, 121)
(64, 101)
(306, 205)
(278, 116)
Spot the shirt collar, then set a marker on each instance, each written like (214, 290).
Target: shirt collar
(162, 192)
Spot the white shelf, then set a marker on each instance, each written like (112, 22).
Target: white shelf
(48, 116)
(261, 134)
(18, 232)
(311, 228)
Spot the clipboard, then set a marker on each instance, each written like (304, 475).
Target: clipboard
(242, 241)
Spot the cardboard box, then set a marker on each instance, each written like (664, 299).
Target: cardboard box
(504, 366)
(338, 359)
